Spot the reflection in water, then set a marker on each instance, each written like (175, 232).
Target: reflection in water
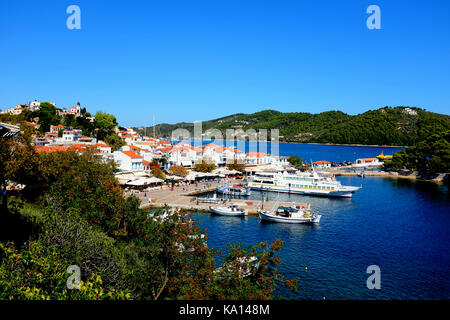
(433, 190)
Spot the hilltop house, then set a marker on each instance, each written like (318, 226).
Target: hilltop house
(34, 105)
(76, 111)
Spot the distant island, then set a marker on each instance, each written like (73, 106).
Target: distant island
(388, 126)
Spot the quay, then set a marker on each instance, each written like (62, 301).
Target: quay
(185, 197)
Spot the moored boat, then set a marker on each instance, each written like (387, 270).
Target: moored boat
(306, 183)
(290, 215)
(234, 190)
(232, 210)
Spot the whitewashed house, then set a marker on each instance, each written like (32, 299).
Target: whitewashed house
(71, 135)
(322, 164)
(254, 158)
(102, 147)
(185, 156)
(128, 160)
(367, 162)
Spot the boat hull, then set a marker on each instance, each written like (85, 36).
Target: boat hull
(228, 213)
(272, 218)
(337, 194)
(232, 193)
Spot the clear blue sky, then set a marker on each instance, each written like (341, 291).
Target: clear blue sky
(198, 60)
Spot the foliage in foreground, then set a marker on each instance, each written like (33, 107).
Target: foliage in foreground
(80, 216)
(37, 272)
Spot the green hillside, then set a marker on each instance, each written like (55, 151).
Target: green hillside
(385, 126)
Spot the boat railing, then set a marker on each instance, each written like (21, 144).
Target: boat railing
(208, 200)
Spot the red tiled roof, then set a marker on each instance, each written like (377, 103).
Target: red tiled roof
(368, 159)
(256, 154)
(101, 145)
(131, 154)
(167, 149)
(164, 142)
(322, 162)
(49, 149)
(135, 148)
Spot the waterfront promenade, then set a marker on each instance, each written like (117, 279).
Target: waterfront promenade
(184, 197)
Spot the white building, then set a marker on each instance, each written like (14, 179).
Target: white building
(71, 135)
(128, 160)
(254, 158)
(367, 162)
(185, 156)
(322, 164)
(34, 105)
(17, 109)
(102, 147)
(76, 111)
(56, 128)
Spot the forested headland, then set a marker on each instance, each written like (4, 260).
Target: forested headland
(399, 126)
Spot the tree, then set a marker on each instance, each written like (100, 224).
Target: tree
(85, 218)
(236, 165)
(295, 161)
(69, 120)
(104, 124)
(157, 172)
(47, 116)
(37, 272)
(179, 171)
(430, 156)
(114, 141)
(204, 166)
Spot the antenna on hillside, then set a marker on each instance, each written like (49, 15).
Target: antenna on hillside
(154, 126)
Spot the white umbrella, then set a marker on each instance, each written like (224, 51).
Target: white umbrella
(173, 178)
(190, 176)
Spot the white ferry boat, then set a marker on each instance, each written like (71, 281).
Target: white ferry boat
(307, 183)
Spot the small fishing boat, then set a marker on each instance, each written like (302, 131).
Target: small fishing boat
(291, 214)
(232, 210)
(233, 190)
(361, 174)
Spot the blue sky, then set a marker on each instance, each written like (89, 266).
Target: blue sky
(199, 60)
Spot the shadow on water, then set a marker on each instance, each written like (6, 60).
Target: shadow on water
(432, 190)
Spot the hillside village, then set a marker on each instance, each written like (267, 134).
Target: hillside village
(137, 152)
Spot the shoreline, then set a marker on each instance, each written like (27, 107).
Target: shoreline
(348, 145)
(314, 143)
(394, 175)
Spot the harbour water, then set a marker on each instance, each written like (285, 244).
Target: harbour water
(400, 225)
(308, 152)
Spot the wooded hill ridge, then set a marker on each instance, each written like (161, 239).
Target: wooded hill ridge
(402, 126)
